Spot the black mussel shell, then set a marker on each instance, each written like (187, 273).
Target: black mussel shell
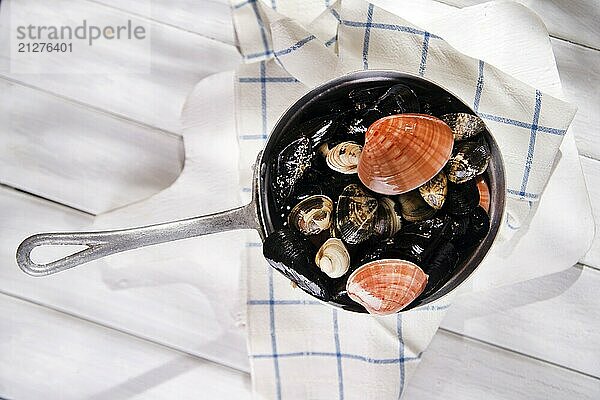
(292, 254)
(437, 105)
(468, 230)
(469, 160)
(358, 125)
(439, 266)
(462, 198)
(334, 183)
(365, 98)
(376, 249)
(398, 99)
(342, 300)
(292, 162)
(322, 129)
(418, 240)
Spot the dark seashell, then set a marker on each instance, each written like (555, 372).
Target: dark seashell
(468, 230)
(470, 160)
(435, 190)
(377, 249)
(312, 215)
(344, 301)
(439, 266)
(358, 125)
(417, 241)
(365, 98)
(414, 208)
(398, 99)
(355, 213)
(463, 125)
(334, 183)
(292, 162)
(322, 130)
(462, 198)
(437, 104)
(388, 220)
(293, 255)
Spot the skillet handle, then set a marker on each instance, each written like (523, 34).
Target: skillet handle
(104, 243)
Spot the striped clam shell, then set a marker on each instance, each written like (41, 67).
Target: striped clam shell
(386, 286)
(388, 221)
(312, 215)
(343, 157)
(404, 151)
(355, 213)
(333, 258)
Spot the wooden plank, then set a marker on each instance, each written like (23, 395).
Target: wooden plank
(49, 355)
(579, 70)
(207, 17)
(174, 60)
(591, 169)
(79, 157)
(555, 318)
(454, 367)
(184, 294)
(576, 21)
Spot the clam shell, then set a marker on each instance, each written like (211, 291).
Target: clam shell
(402, 152)
(343, 157)
(333, 258)
(312, 215)
(386, 286)
(435, 190)
(387, 221)
(471, 159)
(290, 253)
(484, 194)
(463, 125)
(414, 208)
(462, 198)
(355, 213)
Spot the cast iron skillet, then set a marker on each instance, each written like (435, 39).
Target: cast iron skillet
(260, 214)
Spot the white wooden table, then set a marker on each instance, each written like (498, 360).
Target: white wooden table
(81, 335)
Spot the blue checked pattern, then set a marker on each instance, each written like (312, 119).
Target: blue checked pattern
(533, 127)
(294, 339)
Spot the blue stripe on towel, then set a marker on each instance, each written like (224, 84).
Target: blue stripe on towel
(365, 53)
(357, 357)
(338, 353)
(479, 88)
(424, 52)
(531, 148)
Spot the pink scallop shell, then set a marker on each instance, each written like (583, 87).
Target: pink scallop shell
(386, 286)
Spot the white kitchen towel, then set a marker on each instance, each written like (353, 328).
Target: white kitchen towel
(299, 348)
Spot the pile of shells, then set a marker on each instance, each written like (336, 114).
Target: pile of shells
(379, 204)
